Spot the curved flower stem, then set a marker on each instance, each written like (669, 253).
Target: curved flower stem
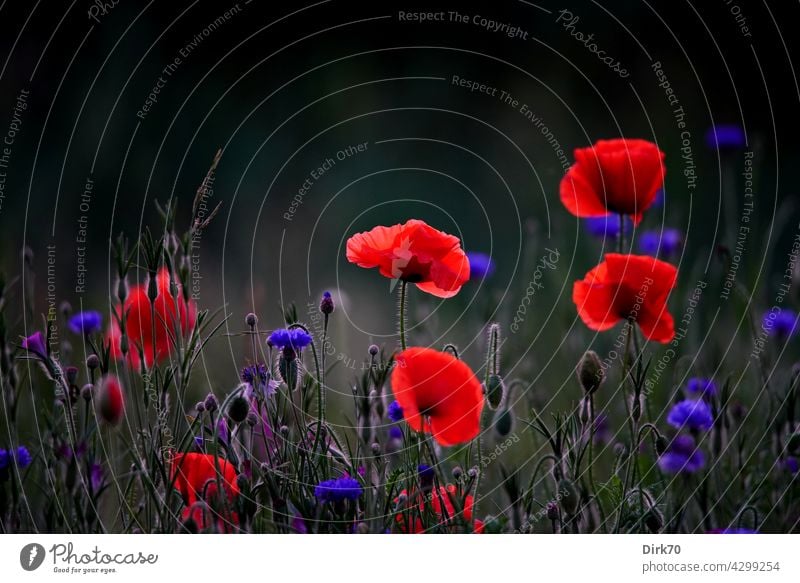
(403, 301)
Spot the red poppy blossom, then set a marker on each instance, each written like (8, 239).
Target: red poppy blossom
(139, 323)
(441, 504)
(625, 287)
(439, 394)
(413, 252)
(195, 476)
(613, 176)
(109, 400)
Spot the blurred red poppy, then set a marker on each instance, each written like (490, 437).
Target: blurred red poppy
(139, 323)
(414, 252)
(439, 394)
(441, 504)
(109, 400)
(195, 476)
(613, 176)
(628, 287)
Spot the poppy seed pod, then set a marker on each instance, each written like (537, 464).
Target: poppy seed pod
(109, 400)
(495, 392)
(570, 499)
(590, 372)
(238, 409)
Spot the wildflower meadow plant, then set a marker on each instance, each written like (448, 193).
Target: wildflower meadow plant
(433, 423)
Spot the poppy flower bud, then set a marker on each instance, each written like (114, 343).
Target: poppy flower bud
(570, 499)
(211, 403)
(92, 362)
(590, 372)
(109, 400)
(495, 391)
(86, 391)
(662, 444)
(238, 409)
(122, 290)
(503, 423)
(152, 288)
(326, 304)
(373, 349)
(123, 344)
(251, 320)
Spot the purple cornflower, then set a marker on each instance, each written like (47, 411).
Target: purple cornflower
(692, 415)
(791, 464)
(664, 242)
(606, 227)
(701, 388)
(725, 136)
(21, 456)
(86, 323)
(394, 412)
(96, 476)
(257, 376)
(481, 265)
(682, 456)
(338, 490)
(35, 343)
(295, 338)
(426, 475)
(781, 323)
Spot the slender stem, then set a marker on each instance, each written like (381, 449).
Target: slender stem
(403, 300)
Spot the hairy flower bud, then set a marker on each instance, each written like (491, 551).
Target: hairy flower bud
(86, 391)
(495, 391)
(373, 349)
(238, 409)
(110, 401)
(211, 403)
(503, 422)
(590, 372)
(92, 362)
(251, 320)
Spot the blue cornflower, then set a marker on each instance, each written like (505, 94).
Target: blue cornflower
(86, 323)
(338, 489)
(606, 227)
(426, 475)
(682, 456)
(295, 338)
(22, 457)
(725, 136)
(701, 388)
(394, 412)
(781, 323)
(660, 198)
(665, 242)
(691, 415)
(480, 265)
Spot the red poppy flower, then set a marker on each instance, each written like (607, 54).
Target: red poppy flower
(625, 287)
(613, 176)
(414, 252)
(439, 394)
(109, 400)
(441, 504)
(139, 323)
(195, 476)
